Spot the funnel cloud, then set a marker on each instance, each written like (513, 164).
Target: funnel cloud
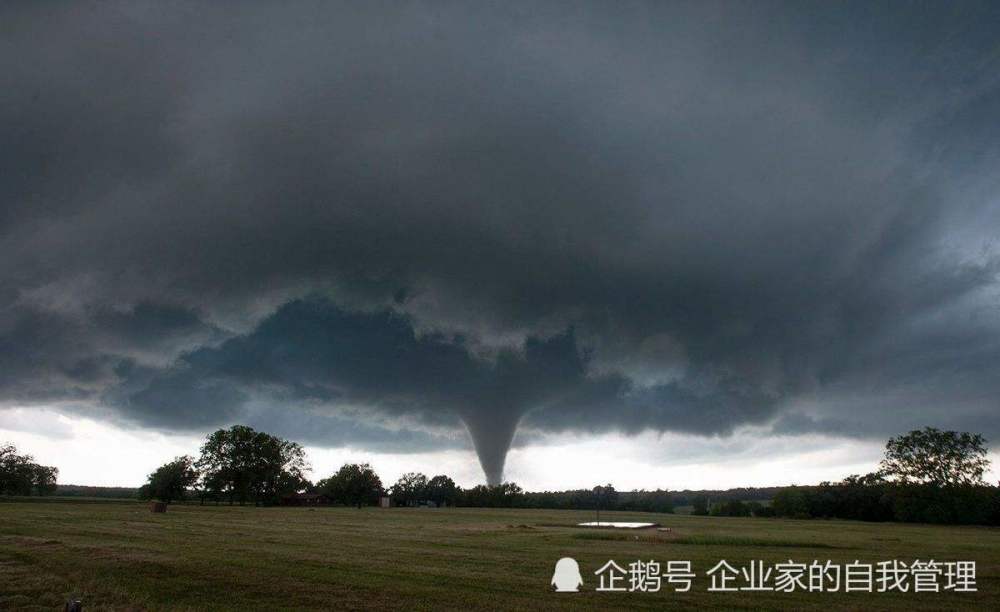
(409, 228)
(492, 435)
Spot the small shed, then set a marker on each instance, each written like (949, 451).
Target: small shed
(385, 501)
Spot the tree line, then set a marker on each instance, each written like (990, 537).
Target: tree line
(240, 465)
(926, 476)
(236, 465)
(20, 475)
(71, 490)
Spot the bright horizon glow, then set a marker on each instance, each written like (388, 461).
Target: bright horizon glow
(88, 452)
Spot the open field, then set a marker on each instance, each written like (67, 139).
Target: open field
(121, 557)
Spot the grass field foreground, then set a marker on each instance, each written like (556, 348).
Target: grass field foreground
(119, 556)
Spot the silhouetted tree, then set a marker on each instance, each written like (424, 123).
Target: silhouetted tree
(700, 506)
(640, 500)
(44, 479)
(442, 490)
(936, 457)
(504, 495)
(507, 494)
(793, 502)
(170, 481)
(605, 496)
(731, 507)
(410, 488)
(247, 465)
(20, 475)
(353, 484)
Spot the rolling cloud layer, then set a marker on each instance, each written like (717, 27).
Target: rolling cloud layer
(380, 226)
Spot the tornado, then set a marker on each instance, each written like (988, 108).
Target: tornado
(492, 433)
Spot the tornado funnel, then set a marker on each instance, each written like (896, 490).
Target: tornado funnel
(492, 433)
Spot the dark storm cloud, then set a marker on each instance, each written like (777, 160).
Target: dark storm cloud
(747, 214)
(313, 353)
(55, 353)
(148, 322)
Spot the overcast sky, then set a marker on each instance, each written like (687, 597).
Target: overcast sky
(665, 244)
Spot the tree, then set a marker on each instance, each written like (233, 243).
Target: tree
(730, 507)
(410, 488)
(700, 506)
(442, 490)
(170, 481)
(243, 465)
(792, 502)
(44, 479)
(279, 468)
(641, 500)
(20, 475)
(604, 497)
(504, 495)
(353, 484)
(931, 456)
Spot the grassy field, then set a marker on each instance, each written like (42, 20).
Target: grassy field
(119, 556)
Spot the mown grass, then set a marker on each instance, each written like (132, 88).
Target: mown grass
(122, 557)
(750, 542)
(731, 541)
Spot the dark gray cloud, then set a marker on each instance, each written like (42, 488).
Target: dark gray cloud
(382, 221)
(313, 354)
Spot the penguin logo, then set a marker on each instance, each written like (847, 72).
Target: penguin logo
(566, 578)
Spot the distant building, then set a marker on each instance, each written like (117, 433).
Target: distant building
(385, 501)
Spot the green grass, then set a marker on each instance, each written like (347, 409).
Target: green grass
(119, 556)
(698, 540)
